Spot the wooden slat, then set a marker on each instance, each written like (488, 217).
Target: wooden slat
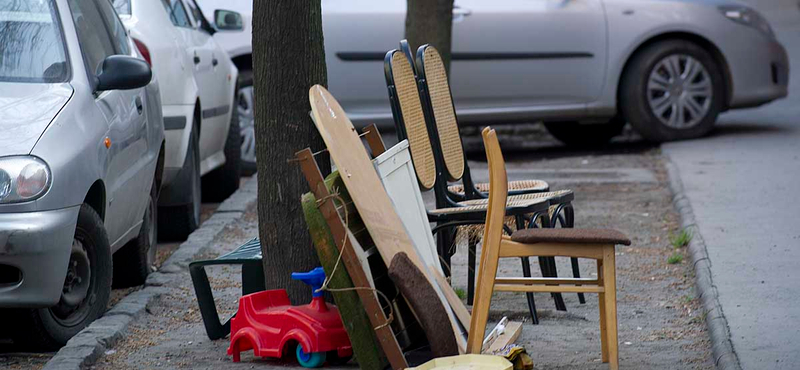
(509, 336)
(531, 281)
(374, 140)
(367, 191)
(548, 288)
(370, 301)
(510, 248)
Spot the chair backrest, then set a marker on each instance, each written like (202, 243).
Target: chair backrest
(432, 76)
(492, 236)
(498, 187)
(409, 115)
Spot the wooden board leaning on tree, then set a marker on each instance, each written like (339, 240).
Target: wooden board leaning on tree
(362, 337)
(368, 193)
(369, 300)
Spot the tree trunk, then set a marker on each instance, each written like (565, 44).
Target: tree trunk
(288, 58)
(430, 22)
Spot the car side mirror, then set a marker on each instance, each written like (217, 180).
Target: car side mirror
(228, 20)
(122, 72)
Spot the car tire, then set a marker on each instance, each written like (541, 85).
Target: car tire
(136, 259)
(245, 107)
(575, 134)
(672, 90)
(51, 328)
(219, 184)
(177, 222)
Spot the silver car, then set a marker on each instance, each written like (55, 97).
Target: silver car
(81, 156)
(584, 67)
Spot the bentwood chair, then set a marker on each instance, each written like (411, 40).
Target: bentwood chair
(442, 120)
(597, 244)
(410, 120)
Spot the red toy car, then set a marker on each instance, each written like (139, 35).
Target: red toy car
(269, 325)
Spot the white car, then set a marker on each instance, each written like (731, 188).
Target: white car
(198, 82)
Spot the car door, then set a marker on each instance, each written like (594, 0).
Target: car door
(210, 83)
(522, 53)
(358, 33)
(101, 34)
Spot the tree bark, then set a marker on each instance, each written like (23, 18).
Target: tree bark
(288, 58)
(430, 22)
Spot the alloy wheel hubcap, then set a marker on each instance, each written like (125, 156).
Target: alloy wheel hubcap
(246, 109)
(679, 91)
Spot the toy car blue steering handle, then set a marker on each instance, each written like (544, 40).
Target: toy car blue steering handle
(315, 278)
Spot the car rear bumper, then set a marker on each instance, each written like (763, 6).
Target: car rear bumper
(34, 251)
(760, 74)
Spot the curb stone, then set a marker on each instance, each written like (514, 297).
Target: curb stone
(85, 348)
(725, 357)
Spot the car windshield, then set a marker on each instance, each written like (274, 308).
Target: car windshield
(31, 47)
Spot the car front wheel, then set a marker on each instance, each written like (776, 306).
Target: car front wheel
(672, 90)
(245, 106)
(85, 293)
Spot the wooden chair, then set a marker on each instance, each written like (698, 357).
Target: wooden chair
(597, 244)
(442, 120)
(412, 122)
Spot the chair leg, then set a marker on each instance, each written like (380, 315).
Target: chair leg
(601, 304)
(526, 271)
(547, 264)
(568, 220)
(471, 272)
(610, 298)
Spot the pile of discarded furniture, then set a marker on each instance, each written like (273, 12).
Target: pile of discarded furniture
(387, 268)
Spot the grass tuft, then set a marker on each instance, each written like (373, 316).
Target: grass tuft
(461, 293)
(681, 240)
(675, 258)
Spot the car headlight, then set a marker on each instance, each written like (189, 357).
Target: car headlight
(747, 16)
(23, 179)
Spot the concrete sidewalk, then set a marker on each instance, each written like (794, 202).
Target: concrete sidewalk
(742, 183)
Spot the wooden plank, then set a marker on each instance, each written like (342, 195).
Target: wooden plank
(509, 336)
(359, 329)
(374, 140)
(367, 191)
(548, 288)
(368, 298)
(498, 329)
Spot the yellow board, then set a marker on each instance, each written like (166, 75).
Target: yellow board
(466, 362)
(369, 195)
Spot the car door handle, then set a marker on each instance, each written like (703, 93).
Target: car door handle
(196, 59)
(214, 62)
(139, 106)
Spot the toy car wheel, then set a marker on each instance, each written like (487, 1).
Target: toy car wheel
(309, 360)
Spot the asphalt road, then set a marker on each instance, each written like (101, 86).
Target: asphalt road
(742, 183)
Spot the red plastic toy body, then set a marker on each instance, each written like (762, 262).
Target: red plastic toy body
(268, 324)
